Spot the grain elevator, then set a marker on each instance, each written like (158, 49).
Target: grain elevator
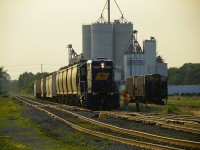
(114, 40)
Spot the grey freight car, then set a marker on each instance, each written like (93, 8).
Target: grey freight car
(150, 88)
(37, 89)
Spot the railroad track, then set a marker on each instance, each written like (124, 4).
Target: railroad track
(188, 123)
(181, 118)
(132, 142)
(186, 120)
(186, 126)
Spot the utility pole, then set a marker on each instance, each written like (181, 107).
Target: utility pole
(41, 68)
(109, 11)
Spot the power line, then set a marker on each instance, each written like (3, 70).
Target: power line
(118, 8)
(104, 7)
(28, 65)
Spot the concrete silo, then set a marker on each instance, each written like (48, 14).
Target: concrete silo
(86, 41)
(150, 55)
(122, 34)
(102, 40)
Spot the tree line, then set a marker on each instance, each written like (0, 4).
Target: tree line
(24, 84)
(188, 74)
(4, 81)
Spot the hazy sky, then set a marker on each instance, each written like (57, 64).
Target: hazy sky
(35, 32)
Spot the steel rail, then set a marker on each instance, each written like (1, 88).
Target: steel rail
(103, 135)
(179, 125)
(191, 121)
(133, 132)
(157, 122)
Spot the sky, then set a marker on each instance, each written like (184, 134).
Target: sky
(35, 32)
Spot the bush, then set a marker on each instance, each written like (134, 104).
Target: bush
(170, 109)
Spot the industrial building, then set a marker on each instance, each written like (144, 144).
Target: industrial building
(117, 41)
(140, 61)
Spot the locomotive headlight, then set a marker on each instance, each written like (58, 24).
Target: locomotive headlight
(102, 65)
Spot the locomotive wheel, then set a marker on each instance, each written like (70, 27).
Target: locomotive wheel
(83, 102)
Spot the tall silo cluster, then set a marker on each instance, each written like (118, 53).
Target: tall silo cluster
(118, 41)
(107, 40)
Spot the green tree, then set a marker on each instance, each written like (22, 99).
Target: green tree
(26, 81)
(40, 75)
(188, 74)
(159, 59)
(4, 81)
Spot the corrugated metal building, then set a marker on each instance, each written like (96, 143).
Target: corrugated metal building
(144, 62)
